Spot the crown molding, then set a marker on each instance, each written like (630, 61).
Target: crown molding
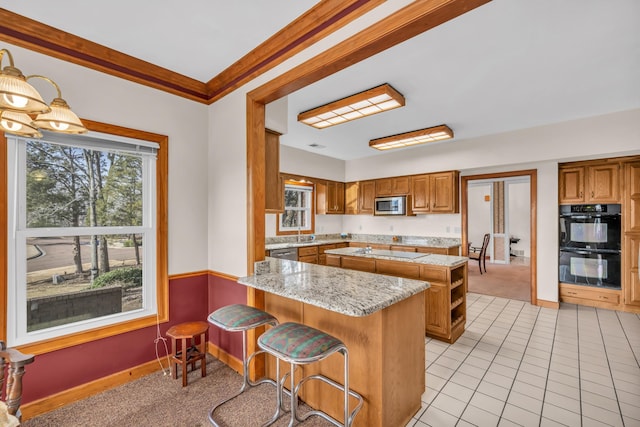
(318, 22)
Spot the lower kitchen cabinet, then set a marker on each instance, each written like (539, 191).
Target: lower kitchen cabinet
(322, 257)
(632, 269)
(446, 305)
(590, 295)
(445, 300)
(308, 254)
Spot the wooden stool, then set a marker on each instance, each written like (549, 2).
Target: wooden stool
(188, 353)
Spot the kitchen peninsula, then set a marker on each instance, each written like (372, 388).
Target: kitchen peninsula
(379, 318)
(445, 301)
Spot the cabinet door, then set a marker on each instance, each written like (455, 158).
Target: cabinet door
(631, 283)
(383, 187)
(335, 197)
(320, 188)
(571, 185)
(401, 185)
(351, 193)
(632, 197)
(274, 183)
(603, 183)
(443, 194)
(367, 197)
(420, 193)
(437, 309)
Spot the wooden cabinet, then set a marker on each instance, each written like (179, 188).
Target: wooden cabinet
(398, 268)
(322, 257)
(360, 264)
(359, 197)
(335, 197)
(631, 274)
(435, 193)
(308, 254)
(445, 301)
(590, 183)
(589, 295)
(329, 197)
(631, 239)
(394, 186)
(367, 197)
(274, 183)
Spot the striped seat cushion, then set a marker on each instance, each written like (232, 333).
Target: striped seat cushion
(298, 343)
(240, 317)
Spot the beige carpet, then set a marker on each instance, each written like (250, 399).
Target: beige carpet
(502, 280)
(157, 400)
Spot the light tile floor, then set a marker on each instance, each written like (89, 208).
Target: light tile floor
(518, 364)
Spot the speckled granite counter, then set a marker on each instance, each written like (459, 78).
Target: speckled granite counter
(414, 257)
(348, 292)
(327, 239)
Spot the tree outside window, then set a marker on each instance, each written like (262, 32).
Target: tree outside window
(298, 208)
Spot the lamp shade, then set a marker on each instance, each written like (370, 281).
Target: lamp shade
(60, 119)
(16, 94)
(18, 124)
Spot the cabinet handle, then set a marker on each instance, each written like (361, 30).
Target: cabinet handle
(581, 194)
(592, 194)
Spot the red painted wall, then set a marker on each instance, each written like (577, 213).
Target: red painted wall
(60, 370)
(224, 292)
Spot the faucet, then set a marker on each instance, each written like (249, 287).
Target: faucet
(299, 237)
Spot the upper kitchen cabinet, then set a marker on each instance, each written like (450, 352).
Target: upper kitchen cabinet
(395, 186)
(590, 183)
(274, 183)
(359, 197)
(435, 193)
(329, 197)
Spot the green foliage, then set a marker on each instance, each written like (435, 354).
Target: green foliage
(128, 277)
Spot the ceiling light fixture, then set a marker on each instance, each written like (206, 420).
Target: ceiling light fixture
(422, 136)
(371, 101)
(19, 100)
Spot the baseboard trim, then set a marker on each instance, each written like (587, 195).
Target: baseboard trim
(548, 304)
(55, 401)
(226, 358)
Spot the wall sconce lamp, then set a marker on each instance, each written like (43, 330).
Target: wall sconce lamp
(422, 136)
(19, 100)
(371, 101)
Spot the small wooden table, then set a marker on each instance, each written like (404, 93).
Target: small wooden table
(193, 352)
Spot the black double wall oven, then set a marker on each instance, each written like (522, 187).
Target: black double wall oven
(590, 237)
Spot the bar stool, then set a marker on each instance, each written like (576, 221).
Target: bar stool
(240, 317)
(189, 353)
(301, 345)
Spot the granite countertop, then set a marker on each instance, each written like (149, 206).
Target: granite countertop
(432, 242)
(414, 257)
(349, 292)
(316, 242)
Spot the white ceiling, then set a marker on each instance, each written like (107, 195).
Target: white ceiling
(508, 65)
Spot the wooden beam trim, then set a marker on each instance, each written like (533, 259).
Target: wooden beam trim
(219, 87)
(30, 34)
(408, 22)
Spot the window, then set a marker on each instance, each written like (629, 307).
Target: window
(83, 229)
(298, 208)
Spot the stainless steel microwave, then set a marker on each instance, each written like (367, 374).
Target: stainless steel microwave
(396, 205)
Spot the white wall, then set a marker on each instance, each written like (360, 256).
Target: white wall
(100, 97)
(519, 217)
(479, 213)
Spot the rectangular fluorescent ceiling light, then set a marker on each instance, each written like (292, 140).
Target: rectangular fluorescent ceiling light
(422, 136)
(372, 101)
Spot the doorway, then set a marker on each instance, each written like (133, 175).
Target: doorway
(502, 205)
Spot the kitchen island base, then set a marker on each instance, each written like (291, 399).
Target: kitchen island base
(386, 355)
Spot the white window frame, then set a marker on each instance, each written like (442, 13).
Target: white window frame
(18, 234)
(307, 211)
